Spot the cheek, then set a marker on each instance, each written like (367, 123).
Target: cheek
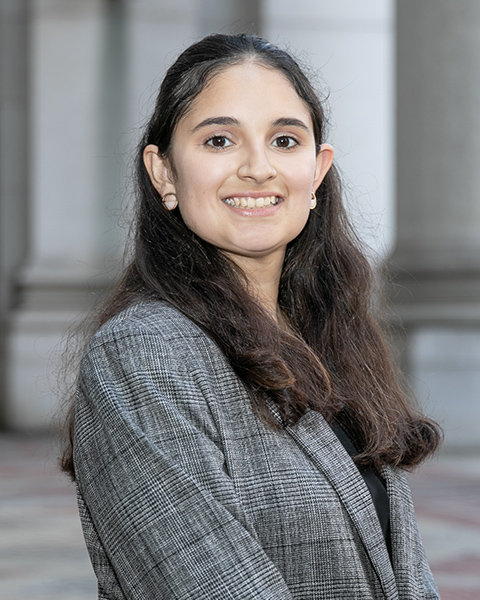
(305, 175)
(198, 186)
(200, 179)
(300, 175)
(194, 201)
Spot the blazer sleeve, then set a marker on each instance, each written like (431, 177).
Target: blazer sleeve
(411, 565)
(158, 506)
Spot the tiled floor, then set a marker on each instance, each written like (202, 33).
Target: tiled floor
(447, 501)
(42, 555)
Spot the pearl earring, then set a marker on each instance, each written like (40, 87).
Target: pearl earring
(313, 201)
(170, 204)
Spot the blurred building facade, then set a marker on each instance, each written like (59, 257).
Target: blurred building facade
(437, 254)
(77, 81)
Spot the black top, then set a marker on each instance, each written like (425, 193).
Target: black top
(375, 484)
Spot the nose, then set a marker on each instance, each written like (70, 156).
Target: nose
(256, 165)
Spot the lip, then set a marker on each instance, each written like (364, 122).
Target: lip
(262, 194)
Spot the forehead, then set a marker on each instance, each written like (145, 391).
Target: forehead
(249, 89)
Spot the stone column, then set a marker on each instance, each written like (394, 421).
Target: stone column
(14, 160)
(94, 66)
(229, 16)
(436, 263)
(65, 213)
(156, 32)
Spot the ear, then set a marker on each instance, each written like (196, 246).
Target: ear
(324, 162)
(159, 170)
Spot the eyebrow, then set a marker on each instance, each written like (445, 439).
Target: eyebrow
(282, 122)
(290, 122)
(216, 121)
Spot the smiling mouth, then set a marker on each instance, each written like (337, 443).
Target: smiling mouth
(248, 202)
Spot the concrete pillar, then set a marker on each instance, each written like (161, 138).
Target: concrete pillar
(229, 16)
(66, 212)
(156, 32)
(349, 47)
(436, 263)
(14, 161)
(94, 66)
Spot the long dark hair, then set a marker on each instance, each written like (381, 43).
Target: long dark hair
(332, 356)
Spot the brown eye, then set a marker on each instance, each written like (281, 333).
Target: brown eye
(218, 141)
(285, 141)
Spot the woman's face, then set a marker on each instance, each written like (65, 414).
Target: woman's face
(245, 163)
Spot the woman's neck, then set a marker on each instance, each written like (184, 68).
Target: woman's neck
(263, 277)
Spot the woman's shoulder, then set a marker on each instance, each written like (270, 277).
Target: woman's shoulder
(154, 330)
(153, 348)
(148, 318)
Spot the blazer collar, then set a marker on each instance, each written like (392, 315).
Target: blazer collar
(315, 437)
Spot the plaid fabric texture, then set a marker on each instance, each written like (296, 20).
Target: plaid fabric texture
(184, 494)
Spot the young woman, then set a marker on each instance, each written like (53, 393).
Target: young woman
(238, 431)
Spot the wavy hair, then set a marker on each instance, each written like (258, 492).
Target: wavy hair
(332, 357)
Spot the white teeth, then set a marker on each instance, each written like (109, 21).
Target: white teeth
(248, 202)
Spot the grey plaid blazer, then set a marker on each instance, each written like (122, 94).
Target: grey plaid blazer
(185, 494)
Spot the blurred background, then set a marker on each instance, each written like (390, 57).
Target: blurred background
(402, 84)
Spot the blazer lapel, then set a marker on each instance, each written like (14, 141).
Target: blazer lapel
(318, 441)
